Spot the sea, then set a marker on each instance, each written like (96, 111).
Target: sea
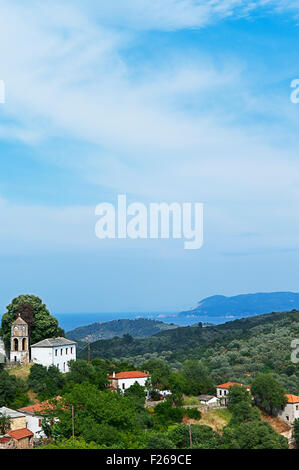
(70, 321)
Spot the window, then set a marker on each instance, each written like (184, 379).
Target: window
(55, 352)
(225, 392)
(64, 367)
(123, 386)
(60, 352)
(71, 350)
(220, 392)
(297, 407)
(66, 350)
(288, 418)
(39, 422)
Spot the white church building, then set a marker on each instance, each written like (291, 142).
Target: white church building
(54, 352)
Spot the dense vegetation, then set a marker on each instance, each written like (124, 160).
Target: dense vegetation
(31, 309)
(139, 328)
(235, 351)
(106, 419)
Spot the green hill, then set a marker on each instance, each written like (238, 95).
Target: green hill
(235, 350)
(139, 328)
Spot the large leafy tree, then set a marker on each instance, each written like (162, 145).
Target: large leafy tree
(253, 435)
(268, 393)
(31, 308)
(107, 418)
(12, 391)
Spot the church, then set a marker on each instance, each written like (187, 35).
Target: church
(51, 351)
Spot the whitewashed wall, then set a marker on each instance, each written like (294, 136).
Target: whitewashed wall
(57, 356)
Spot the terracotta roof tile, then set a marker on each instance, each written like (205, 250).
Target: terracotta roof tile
(292, 398)
(132, 374)
(231, 384)
(20, 433)
(39, 407)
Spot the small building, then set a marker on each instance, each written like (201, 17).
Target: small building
(208, 399)
(54, 352)
(19, 343)
(124, 380)
(22, 438)
(17, 419)
(290, 411)
(222, 391)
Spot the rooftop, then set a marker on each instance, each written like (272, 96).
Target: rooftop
(10, 413)
(206, 397)
(38, 407)
(20, 433)
(53, 342)
(231, 384)
(292, 398)
(132, 374)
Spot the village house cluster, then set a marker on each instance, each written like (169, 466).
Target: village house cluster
(25, 428)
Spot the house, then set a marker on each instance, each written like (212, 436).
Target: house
(290, 411)
(54, 352)
(124, 380)
(222, 391)
(18, 436)
(21, 438)
(208, 399)
(34, 415)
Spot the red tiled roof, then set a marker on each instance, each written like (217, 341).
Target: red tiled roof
(39, 407)
(231, 384)
(292, 398)
(4, 439)
(20, 433)
(132, 374)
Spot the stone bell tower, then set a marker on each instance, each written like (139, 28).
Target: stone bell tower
(19, 343)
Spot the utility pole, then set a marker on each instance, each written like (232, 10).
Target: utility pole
(190, 435)
(88, 352)
(73, 422)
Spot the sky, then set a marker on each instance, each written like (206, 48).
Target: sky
(164, 101)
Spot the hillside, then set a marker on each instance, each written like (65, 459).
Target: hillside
(139, 328)
(243, 305)
(235, 350)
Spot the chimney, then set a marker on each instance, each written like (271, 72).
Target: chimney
(113, 375)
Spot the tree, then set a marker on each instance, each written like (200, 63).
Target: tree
(203, 437)
(81, 371)
(296, 430)
(42, 323)
(11, 388)
(136, 392)
(198, 379)
(268, 393)
(4, 423)
(252, 435)
(46, 382)
(107, 418)
(159, 441)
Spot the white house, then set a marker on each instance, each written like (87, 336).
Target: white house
(54, 352)
(124, 380)
(222, 391)
(290, 411)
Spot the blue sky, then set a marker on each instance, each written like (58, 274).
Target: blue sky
(173, 100)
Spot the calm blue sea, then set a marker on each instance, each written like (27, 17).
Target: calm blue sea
(69, 321)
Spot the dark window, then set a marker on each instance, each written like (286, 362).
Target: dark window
(60, 352)
(16, 344)
(55, 352)
(66, 350)
(24, 344)
(123, 385)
